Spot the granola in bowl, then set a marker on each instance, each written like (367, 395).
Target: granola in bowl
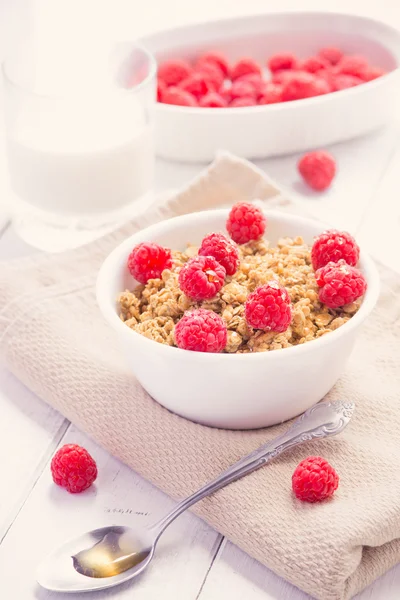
(154, 308)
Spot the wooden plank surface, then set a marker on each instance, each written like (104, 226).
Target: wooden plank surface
(29, 431)
(50, 515)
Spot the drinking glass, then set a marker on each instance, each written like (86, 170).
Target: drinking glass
(80, 150)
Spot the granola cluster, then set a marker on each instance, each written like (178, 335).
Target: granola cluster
(154, 309)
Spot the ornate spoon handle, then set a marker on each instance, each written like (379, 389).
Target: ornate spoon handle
(319, 421)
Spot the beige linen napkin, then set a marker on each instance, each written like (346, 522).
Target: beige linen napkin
(54, 339)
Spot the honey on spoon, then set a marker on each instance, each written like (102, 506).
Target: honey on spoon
(110, 556)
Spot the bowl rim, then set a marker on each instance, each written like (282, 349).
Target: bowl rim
(196, 110)
(107, 303)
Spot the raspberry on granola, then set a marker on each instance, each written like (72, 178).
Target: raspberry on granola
(154, 309)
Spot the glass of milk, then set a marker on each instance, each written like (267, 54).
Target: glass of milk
(79, 143)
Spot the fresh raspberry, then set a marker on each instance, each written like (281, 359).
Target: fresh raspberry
(317, 169)
(245, 66)
(243, 101)
(245, 222)
(201, 278)
(313, 64)
(197, 84)
(329, 77)
(272, 93)
(282, 76)
(331, 54)
(314, 480)
(303, 85)
(222, 249)
(174, 95)
(343, 82)
(173, 72)
(73, 468)
(213, 100)
(214, 58)
(269, 308)
(161, 89)
(352, 64)
(201, 330)
(242, 89)
(225, 93)
(282, 62)
(340, 284)
(333, 245)
(253, 79)
(212, 73)
(372, 73)
(148, 260)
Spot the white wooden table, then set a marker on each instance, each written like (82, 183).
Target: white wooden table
(193, 562)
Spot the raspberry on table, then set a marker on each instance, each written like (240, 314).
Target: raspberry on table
(343, 82)
(314, 479)
(197, 84)
(282, 62)
(340, 284)
(332, 54)
(242, 89)
(173, 72)
(245, 66)
(174, 95)
(318, 169)
(272, 93)
(313, 64)
(352, 64)
(303, 85)
(201, 330)
(148, 260)
(201, 278)
(243, 101)
(224, 250)
(269, 308)
(333, 245)
(161, 89)
(212, 73)
(245, 222)
(73, 468)
(214, 58)
(213, 100)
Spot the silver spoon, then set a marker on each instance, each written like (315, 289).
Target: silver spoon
(109, 556)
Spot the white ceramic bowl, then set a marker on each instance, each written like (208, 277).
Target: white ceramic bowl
(261, 131)
(237, 391)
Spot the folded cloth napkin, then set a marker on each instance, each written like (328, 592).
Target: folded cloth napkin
(55, 340)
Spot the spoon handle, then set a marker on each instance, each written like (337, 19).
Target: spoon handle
(319, 421)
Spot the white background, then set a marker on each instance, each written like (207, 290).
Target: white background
(194, 562)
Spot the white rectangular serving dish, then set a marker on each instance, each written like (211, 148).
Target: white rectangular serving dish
(195, 134)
